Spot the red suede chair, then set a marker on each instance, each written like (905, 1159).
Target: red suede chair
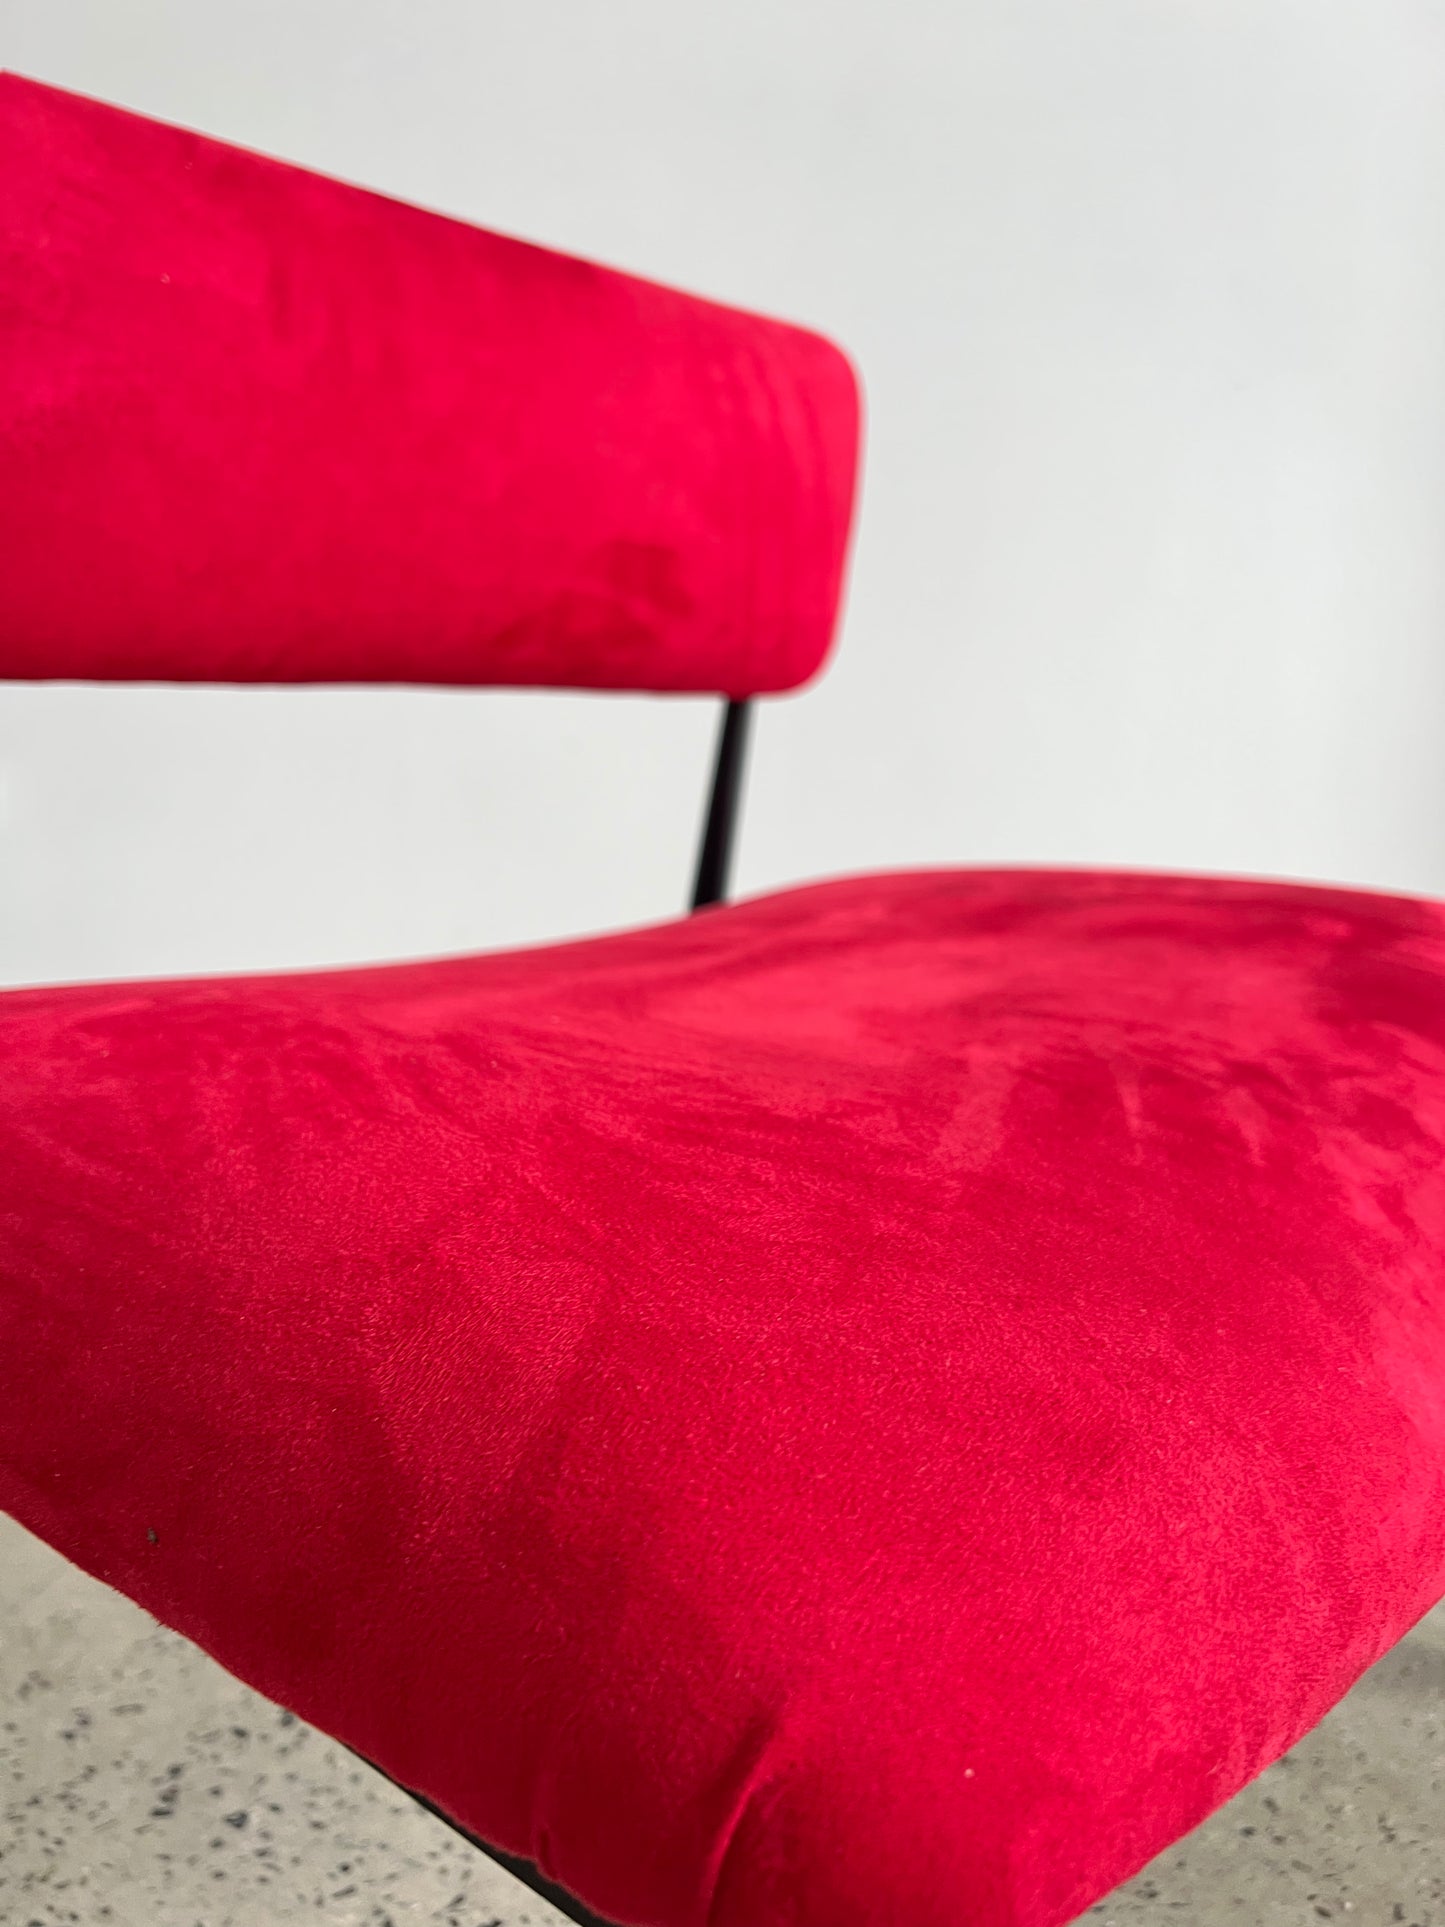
(883, 1403)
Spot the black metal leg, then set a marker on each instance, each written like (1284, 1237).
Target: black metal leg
(715, 856)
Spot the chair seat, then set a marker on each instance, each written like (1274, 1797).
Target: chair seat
(879, 1405)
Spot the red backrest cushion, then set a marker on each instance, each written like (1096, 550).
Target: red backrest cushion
(259, 426)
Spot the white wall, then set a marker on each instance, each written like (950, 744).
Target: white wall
(1150, 300)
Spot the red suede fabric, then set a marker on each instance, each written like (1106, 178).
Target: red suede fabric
(883, 1404)
(260, 426)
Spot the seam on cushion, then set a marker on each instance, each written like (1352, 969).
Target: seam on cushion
(756, 1775)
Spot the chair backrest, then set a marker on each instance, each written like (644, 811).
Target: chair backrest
(260, 426)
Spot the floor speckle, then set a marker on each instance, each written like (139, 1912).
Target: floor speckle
(142, 1786)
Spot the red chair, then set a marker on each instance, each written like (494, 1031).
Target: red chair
(883, 1403)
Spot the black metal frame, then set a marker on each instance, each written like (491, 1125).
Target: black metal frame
(710, 883)
(714, 858)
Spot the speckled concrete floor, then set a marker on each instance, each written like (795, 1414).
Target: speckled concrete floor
(140, 1786)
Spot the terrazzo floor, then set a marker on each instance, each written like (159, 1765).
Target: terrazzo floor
(141, 1786)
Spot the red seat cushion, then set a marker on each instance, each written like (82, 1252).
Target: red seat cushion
(883, 1404)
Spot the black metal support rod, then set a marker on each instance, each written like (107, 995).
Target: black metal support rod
(715, 857)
